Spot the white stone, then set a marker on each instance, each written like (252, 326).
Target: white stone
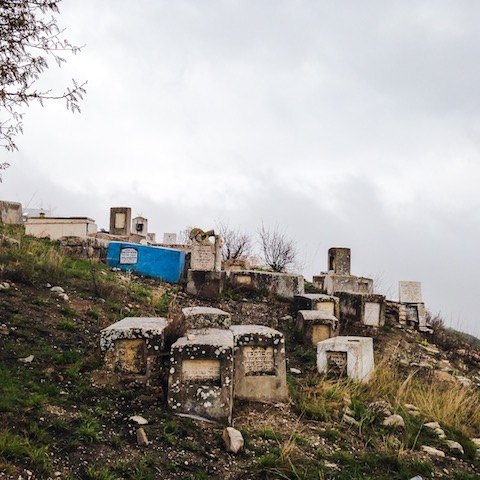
(394, 421)
(233, 439)
(432, 425)
(139, 420)
(454, 446)
(28, 359)
(359, 353)
(295, 371)
(434, 452)
(57, 289)
(142, 438)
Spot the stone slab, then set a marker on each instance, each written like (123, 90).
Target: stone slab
(204, 284)
(206, 317)
(319, 302)
(410, 292)
(201, 375)
(316, 325)
(358, 351)
(260, 364)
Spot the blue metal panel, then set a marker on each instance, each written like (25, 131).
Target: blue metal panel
(164, 263)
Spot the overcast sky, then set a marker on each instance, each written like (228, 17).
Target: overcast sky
(347, 124)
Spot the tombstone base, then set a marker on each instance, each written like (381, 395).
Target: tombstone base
(205, 284)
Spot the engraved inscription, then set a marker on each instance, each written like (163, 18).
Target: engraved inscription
(202, 258)
(259, 360)
(201, 371)
(128, 256)
(131, 356)
(336, 363)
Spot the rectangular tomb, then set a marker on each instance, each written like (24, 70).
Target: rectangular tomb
(260, 365)
(316, 325)
(319, 302)
(166, 264)
(132, 347)
(201, 375)
(351, 356)
(410, 292)
(367, 309)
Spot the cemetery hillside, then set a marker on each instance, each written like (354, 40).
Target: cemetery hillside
(123, 358)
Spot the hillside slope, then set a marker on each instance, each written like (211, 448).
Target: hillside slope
(62, 417)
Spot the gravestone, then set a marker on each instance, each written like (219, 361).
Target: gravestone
(316, 325)
(170, 238)
(11, 213)
(206, 317)
(352, 356)
(132, 347)
(201, 375)
(410, 292)
(140, 226)
(367, 309)
(259, 364)
(206, 256)
(120, 221)
(167, 264)
(319, 302)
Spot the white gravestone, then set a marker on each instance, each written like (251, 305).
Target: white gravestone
(410, 292)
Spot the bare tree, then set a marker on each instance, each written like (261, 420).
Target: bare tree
(184, 236)
(28, 37)
(279, 252)
(236, 244)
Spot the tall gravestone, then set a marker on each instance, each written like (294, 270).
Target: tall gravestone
(410, 295)
(120, 221)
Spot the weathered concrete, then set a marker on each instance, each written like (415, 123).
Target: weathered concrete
(368, 309)
(206, 317)
(339, 261)
(416, 315)
(140, 226)
(132, 347)
(285, 285)
(204, 284)
(316, 325)
(410, 292)
(331, 283)
(11, 213)
(319, 302)
(351, 356)
(206, 256)
(395, 312)
(260, 366)
(55, 228)
(201, 375)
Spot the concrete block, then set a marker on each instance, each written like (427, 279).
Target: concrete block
(167, 264)
(319, 302)
(203, 284)
(351, 356)
(285, 285)
(133, 346)
(11, 213)
(368, 309)
(201, 375)
(316, 325)
(259, 364)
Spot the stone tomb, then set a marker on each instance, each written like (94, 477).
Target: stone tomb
(206, 317)
(285, 285)
(410, 295)
(259, 364)
(120, 221)
(200, 384)
(132, 347)
(368, 309)
(206, 256)
(319, 302)
(316, 325)
(350, 356)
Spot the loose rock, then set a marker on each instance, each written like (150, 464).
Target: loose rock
(455, 446)
(394, 421)
(142, 438)
(433, 452)
(233, 440)
(138, 419)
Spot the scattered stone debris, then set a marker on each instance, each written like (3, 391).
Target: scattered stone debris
(433, 452)
(435, 426)
(28, 359)
(232, 439)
